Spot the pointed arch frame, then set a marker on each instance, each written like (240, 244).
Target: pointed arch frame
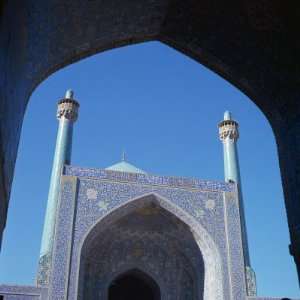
(213, 281)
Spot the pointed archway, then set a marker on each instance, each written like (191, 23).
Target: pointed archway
(133, 285)
(152, 235)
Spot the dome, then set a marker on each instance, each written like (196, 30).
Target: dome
(124, 166)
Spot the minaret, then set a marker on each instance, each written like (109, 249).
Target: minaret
(229, 134)
(67, 113)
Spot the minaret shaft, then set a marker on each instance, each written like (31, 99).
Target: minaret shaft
(66, 114)
(229, 134)
(231, 164)
(232, 173)
(62, 156)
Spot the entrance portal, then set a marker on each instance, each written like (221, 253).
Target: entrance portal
(133, 285)
(146, 254)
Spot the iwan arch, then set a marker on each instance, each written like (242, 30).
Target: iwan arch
(250, 43)
(150, 225)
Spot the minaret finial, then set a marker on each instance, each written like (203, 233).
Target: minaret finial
(69, 94)
(227, 115)
(123, 155)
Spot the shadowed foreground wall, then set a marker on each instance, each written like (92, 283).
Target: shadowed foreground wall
(253, 44)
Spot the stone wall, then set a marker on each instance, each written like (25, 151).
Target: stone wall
(16, 292)
(11, 292)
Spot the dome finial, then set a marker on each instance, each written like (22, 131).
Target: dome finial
(123, 158)
(124, 166)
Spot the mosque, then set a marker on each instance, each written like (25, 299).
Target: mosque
(121, 233)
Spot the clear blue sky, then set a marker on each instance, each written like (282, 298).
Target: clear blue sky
(163, 108)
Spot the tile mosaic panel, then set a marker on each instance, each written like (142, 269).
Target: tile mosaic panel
(18, 292)
(199, 203)
(149, 179)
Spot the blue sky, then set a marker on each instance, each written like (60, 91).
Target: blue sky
(163, 108)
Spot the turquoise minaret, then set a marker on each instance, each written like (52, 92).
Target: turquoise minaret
(67, 113)
(229, 134)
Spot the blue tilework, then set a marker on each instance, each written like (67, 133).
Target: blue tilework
(98, 197)
(235, 248)
(92, 204)
(149, 179)
(17, 292)
(144, 239)
(63, 242)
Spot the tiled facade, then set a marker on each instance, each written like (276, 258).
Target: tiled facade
(183, 233)
(23, 292)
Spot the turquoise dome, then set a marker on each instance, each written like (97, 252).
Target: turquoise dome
(124, 166)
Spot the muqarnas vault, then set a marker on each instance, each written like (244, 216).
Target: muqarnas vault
(121, 233)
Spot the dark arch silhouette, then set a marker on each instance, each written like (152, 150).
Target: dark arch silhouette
(260, 57)
(134, 285)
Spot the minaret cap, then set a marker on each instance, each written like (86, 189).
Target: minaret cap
(228, 128)
(69, 94)
(227, 115)
(68, 107)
